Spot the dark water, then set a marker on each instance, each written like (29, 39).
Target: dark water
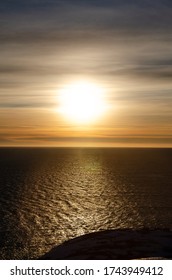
(51, 195)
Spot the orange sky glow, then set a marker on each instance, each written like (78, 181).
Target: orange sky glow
(125, 56)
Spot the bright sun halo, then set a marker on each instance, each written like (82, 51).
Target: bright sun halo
(82, 102)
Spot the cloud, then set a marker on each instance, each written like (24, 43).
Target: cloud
(125, 45)
(50, 29)
(13, 105)
(48, 20)
(48, 140)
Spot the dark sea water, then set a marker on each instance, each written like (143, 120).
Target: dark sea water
(51, 195)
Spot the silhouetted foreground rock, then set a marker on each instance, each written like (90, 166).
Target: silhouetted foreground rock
(115, 244)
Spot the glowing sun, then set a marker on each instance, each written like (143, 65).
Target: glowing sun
(82, 102)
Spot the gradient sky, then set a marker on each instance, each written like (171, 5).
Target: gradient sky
(124, 46)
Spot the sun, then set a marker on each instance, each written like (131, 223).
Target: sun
(82, 102)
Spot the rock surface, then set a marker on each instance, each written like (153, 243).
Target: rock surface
(115, 244)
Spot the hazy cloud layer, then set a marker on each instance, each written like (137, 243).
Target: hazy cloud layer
(125, 45)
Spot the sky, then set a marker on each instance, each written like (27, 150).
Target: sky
(124, 47)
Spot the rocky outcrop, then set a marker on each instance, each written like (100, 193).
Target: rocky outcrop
(115, 244)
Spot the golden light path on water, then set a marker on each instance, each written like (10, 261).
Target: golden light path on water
(52, 195)
(72, 197)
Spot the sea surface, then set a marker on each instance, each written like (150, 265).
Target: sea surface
(50, 195)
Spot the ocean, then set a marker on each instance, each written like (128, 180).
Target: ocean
(50, 195)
